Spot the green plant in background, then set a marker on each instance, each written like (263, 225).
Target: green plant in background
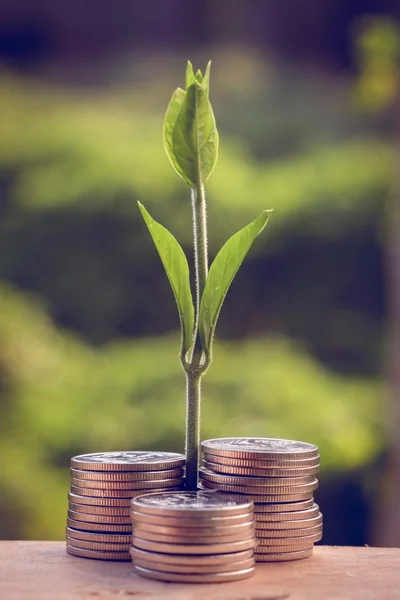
(191, 143)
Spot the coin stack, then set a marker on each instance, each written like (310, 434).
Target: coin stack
(280, 477)
(199, 537)
(102, 486)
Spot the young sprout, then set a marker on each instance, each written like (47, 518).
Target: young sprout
(191, 143)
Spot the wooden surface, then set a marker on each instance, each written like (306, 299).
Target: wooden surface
(43, 571)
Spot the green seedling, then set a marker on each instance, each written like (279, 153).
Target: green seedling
(191, 143)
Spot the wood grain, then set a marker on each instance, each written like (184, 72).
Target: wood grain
(43, 571)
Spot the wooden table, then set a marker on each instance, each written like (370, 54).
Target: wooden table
(43, 571)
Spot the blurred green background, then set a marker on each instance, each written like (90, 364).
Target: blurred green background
(88, 325)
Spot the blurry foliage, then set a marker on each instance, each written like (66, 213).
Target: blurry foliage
(61, 397)
(59, 148)
(379, 59)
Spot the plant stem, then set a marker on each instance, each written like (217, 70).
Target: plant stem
(200, 241)
(193, 397)
(195, 369)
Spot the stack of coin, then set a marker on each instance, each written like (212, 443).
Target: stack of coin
(280, 477)
(102, 486)
(200, 537)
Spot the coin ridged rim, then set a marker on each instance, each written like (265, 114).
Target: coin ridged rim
(284, 534)
(99, 527)
(105, 538)
(268, 482)
(285, 525)
(110, 511)
(120, 556)
(198, 578)
(270, 549)
(278, 517)
(98, 546)
(283, 556)
(259, 463)
(268, 508)
(119, 476)
(126, 485)
(168, 568)
(234, 504)
(256, 472)
(241, 528)
(264, 498)
(190, 523)
(191, 559)
(227, 447)
(284, 542)
(266, 489)
(193, 548)
(169, 460)
(105, 520)
(99, 501)
(122, 494)
(184, 540)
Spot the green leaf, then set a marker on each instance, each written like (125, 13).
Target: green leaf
(190, 78)
(199, 76)
(221, 275)
(176, 266)
(195, 137)
(206, 78)
(215, 153)
(169, 123)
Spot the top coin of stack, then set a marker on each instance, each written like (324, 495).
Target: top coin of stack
(200, 537)
(102, 486)
(280, 477)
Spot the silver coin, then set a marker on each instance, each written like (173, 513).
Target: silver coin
(258, 495)
(222, 548)
(93, 536)
(262, 448)
(264, 481)
(93, 501)
(189, 522)
(285, 534)
(198, 578)
(111, 511)
(278, 461)
(279, 507)
(98, 546)
(283, 556)
(98, 555)
(106, 520)
(98, 484)
(291, 515)
(287, 544)
(303, 488)
(190, 559)
(135, 460)
(289, 525)
(191, 503)
(215, 468)
(264, 498)
(183, 538)
(99, 527)
(207, 529)
(117, 493)
(168, 568)
(119, 476)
